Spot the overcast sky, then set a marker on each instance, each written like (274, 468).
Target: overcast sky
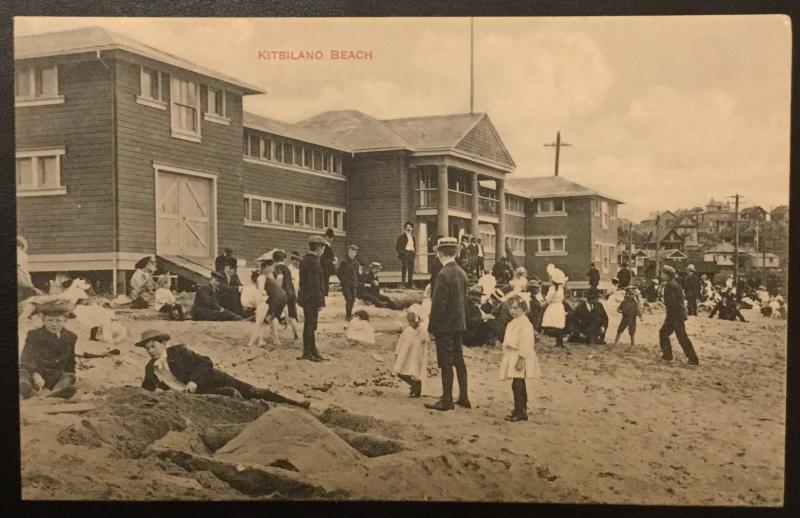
(661, 112)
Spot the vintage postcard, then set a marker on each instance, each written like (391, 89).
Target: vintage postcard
(421, 259)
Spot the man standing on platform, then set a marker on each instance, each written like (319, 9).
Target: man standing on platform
(447, 323)
(406, 252)
(311, 296)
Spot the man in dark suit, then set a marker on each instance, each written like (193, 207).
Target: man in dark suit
(311, 296)
(226, 257)
(594, 276)
(206, 301)
(502, 271)
(447, 323)
(370, 290)
(692, 284)
(349, 278)
(230, 289)
(177, 367)
(538, 304)
(327, 261)
(675, 319)
(406, 251)
(48, 356)
(590, 320)
(479, 330)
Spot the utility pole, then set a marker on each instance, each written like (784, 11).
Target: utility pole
(558, 145)
(658, 244)
(630, 245)
(472, 65)
(736, 246)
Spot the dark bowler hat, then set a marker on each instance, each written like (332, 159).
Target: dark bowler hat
(218, 276)
(151, 334)
(329, 232)
(316, 239)
(593, 294)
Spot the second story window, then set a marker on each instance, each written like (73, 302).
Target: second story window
(39, 172)
(552, 206)
(36, 86)
(217, 109)
(185, 100)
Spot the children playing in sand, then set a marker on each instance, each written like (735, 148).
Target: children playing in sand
(630, 309)
(519, 357)
(273, 302)
(411, 365)
(359, 329)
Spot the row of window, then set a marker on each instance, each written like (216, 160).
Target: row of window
(185, 103)
(261, 210)
(39, 172)
(514, 204)
(551, 206)
(281, 151)
(488, 237)
(36, 83)
(549, 245)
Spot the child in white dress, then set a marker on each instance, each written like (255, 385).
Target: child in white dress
(412, 351)
(519, 361)
(554, 318)
(359, 329)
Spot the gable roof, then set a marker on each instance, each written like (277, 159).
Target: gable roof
(292, 131)
(665, 235)
(355, 130)
(91, 39)
(553, 187)
(434, 132)
(723, 247)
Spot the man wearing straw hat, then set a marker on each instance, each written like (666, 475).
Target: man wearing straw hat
(447, 323)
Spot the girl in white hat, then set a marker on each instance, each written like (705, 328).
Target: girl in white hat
(554, 317)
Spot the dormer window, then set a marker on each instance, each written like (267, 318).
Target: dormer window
(36, 86)
(217, 106)
(150, 88)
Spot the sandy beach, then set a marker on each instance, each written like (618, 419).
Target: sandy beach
(608, 424)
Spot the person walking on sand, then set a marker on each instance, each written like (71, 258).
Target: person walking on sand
(446, 324)
(675, 319)
(311, 297)
(692, 284)
(554, 318)
(519, 362)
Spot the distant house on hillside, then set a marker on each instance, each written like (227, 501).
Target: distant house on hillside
(754, 213)
(721, 254)
(687, 229)
(667, 239)
(569, 225)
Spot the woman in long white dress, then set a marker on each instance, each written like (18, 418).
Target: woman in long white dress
(554, 317)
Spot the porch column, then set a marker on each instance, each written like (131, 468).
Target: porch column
(443, 206)
(475, 206)
(500, 247)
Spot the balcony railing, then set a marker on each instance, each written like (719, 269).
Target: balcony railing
(428, 198)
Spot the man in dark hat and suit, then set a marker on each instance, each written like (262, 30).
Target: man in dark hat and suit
(206, 301)
(370, 290)
(225, 258)
(692, 284)
(349, 279)
(311, 296)
(479, 331)
(406, 248)
(48, 356)
(447, 322)
(327, 260)
(675, 318)
(176, 367)
(230, 289)
(590, 320)
(594, 276)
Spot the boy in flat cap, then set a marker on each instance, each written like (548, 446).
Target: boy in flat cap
(311, 296)
(179, 368)
(48, 357)
(370, 289)
(675, 319)
(447, 323)
(206, 301)
(349, 275)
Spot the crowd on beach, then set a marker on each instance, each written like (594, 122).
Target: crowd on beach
(462, 305)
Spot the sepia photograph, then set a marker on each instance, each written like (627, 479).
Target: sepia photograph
(474, 259)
